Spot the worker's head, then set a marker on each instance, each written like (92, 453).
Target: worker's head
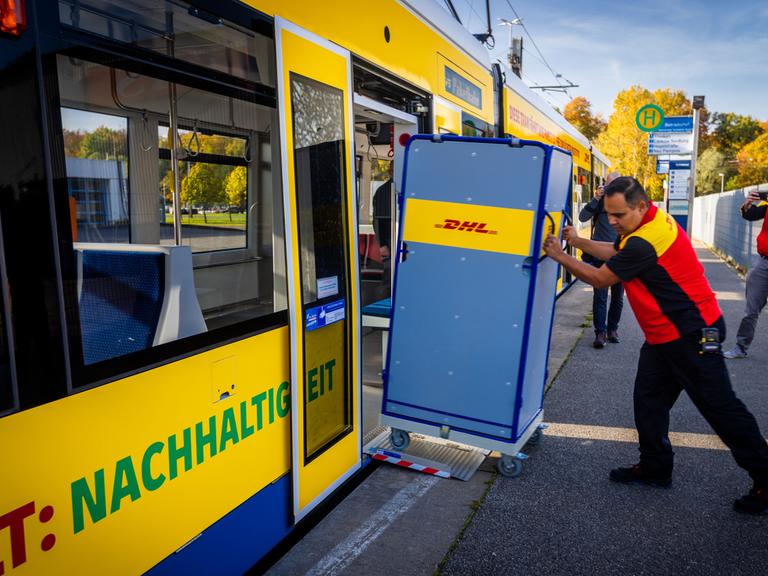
(625, 204)
(611, 177)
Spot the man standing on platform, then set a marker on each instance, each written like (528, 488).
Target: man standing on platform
(602, 232)
(754, 208)
(683, 328)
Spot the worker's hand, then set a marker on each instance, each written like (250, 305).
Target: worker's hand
(552, 247)
(752, 198)
(570, 234)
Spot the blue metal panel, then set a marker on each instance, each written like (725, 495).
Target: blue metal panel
(540, 322)
(460, 316)
(239, 540)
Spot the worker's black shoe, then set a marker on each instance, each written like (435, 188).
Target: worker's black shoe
(599, 340)
(636, 475)
(756, 502)
(613, 337)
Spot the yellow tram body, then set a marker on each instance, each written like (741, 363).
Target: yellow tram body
(204, 457)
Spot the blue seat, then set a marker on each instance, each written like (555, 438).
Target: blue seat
(120, 302)
(381, 308)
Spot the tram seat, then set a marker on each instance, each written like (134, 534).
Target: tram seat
(377, 315)
(132, 297)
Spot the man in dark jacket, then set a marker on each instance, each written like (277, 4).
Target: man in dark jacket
(757, 280)
(602, 232)
(382, 217)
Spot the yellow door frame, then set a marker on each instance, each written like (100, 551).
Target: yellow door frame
(304, 53)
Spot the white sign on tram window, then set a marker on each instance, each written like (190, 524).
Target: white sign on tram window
(662, 143)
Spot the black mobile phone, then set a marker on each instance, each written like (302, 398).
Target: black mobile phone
(763, 195)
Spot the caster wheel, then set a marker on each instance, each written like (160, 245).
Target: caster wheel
(509, 466)
(536, 437)
(399, 439)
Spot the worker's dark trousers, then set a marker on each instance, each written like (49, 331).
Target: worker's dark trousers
(664, 370)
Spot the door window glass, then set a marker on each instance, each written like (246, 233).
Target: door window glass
(320, 172)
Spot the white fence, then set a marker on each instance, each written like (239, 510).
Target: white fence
(717, 221)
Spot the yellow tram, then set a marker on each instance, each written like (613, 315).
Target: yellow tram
(186, 202)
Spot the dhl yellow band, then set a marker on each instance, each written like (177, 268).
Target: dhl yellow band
(487, 228)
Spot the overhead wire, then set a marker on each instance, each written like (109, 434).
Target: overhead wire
(542, 59)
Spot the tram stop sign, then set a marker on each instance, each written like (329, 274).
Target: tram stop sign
(649, 118)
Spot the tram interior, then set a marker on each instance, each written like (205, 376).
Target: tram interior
(376, 129)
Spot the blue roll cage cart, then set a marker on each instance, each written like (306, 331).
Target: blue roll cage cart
(474, 295)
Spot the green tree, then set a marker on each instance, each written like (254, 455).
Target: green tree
(202, 186)
(73, 140)
(579, 113)
(104, 144)
(711, 163)
(752, 163)
(236, 187)
(731, 132)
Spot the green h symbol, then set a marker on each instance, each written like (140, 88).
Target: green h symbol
(649, 117)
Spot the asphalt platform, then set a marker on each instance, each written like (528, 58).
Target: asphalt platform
(563, 515)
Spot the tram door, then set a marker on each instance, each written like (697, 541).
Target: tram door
(316, 104)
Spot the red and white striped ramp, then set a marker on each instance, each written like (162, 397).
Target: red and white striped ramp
(427, 454)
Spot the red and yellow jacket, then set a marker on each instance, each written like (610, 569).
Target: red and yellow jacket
(663, 279)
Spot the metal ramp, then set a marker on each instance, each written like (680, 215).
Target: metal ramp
(427, 454)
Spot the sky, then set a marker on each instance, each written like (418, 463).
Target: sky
(710, 47)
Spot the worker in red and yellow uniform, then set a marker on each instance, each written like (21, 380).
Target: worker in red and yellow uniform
(683, 326)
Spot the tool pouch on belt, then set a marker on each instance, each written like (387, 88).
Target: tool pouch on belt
(710, 341)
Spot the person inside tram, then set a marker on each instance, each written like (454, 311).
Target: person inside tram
(382, 216)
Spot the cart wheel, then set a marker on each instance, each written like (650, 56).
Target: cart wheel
(536, 437)
(399, 438)
(509, 466)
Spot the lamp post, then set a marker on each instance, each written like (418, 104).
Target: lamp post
(697, 105)
(722, 181)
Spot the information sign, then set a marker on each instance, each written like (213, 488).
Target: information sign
(679, 124)
(678, 207)
(649, 118)
(679, 179)
(663, 143)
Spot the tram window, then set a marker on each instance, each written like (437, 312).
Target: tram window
(96, 151)
(318, 135)
(472, 126)
(6, 383)
(196, 36)
(214, 187)
(122, 189)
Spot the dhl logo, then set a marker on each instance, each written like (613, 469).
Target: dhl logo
(465, 226)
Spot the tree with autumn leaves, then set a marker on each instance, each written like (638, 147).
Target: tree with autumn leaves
(626, 146)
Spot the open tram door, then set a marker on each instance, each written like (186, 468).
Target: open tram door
(380, 131)
(314, 78)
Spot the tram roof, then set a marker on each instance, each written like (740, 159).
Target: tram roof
(453, 31)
